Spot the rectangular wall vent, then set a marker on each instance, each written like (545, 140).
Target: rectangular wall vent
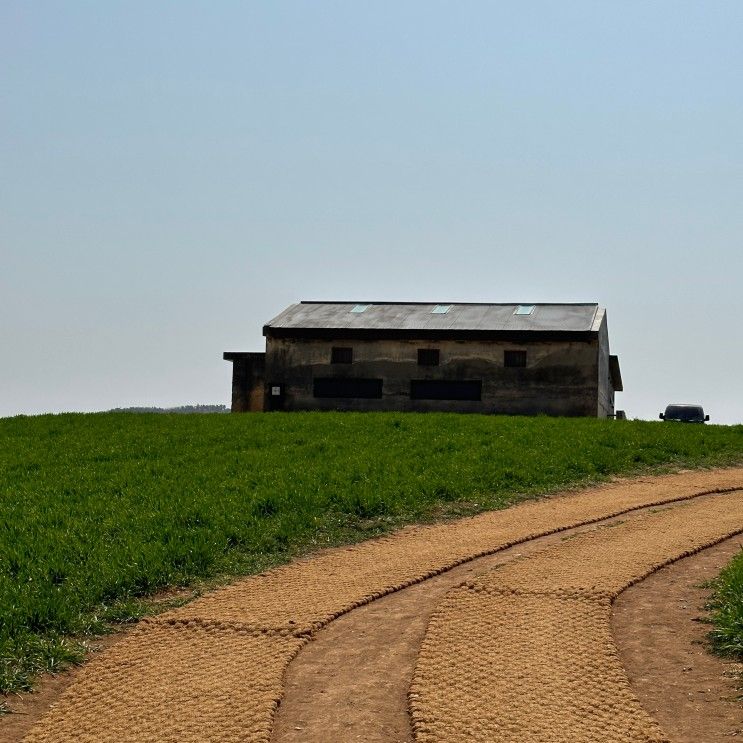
(341, 355)
(428, 357)
(445, 389)
(347, 387)
(514, 358)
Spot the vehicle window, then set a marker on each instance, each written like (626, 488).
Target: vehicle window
(684, 413)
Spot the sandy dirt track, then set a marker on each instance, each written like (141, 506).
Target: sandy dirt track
(659, 628)
(526, 652)
(214, 670)
(351, 682)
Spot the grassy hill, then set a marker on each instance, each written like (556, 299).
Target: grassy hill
(99, 510)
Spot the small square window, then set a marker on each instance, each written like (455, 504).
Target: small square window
(340, 355)
(524, 309)
(440, 309)
(514, 358)
(428, 357)
(359, 308)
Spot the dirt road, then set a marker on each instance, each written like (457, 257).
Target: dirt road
(215, 670)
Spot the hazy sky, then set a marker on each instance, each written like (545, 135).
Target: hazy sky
(173, 174)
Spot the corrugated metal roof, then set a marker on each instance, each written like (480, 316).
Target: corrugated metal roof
(413, 316)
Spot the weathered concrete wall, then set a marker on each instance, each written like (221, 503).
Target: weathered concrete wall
(605, 386)
(560, 378)
(248, 370)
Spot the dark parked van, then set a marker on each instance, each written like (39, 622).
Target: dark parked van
(685, 414)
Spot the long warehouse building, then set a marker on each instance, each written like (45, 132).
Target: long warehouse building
(508, 359)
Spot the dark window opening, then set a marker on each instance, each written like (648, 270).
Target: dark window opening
(340, 355)
(428, 357)
(445, 389)
(514, 358)
(347, 387)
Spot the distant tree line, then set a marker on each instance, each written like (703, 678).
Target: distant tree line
(179, 409)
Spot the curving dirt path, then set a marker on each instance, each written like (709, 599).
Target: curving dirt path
(215, 669)
(659, 629)
(351, 683)
(526, 652)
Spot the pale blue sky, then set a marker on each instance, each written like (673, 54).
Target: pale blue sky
(172, 175)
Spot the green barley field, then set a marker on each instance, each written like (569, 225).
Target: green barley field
(727, 610)
(100, 511)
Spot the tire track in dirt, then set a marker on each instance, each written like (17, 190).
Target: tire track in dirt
(659, 630)
(194, 692)
(525, 652)
(351, 682)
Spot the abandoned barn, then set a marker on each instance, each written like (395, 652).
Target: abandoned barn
(511, 359)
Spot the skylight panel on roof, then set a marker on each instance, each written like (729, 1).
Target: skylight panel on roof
(360, 308)
(524, 309)
(440, 309)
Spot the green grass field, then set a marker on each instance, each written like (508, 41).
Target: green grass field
(100, 510)
(727, 610)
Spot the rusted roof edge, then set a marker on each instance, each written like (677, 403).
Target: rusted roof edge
(513, 336)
